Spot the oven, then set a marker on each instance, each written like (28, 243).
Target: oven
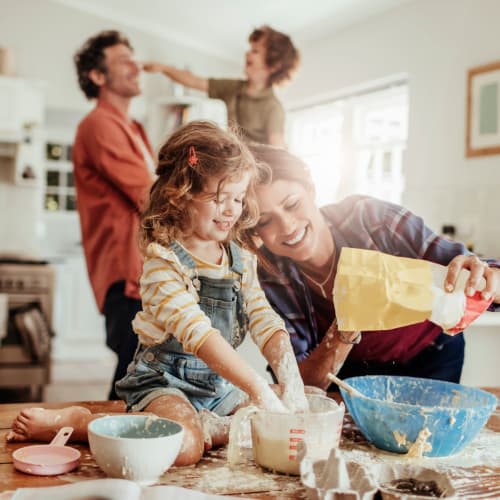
(23, 283)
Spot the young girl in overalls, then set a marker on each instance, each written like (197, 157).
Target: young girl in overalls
(200, 296)
(200, 293)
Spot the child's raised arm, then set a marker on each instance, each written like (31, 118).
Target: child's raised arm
(182, 76)
(279, 353)
(268, 332)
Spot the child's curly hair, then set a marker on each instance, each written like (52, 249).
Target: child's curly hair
(169, 213)
(281, 55)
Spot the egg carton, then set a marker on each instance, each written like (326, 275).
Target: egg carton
(336, 479)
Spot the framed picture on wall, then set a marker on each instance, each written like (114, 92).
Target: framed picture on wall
(483, 110)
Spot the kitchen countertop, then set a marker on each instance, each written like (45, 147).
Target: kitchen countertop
(488, 318)
(212, 475)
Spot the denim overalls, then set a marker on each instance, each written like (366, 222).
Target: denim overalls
(167, 369)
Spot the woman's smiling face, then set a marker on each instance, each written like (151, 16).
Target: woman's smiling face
(290, 224)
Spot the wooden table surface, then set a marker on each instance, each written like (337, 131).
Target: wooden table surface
(212, 474)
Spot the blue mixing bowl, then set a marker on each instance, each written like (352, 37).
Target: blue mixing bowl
(394, 410)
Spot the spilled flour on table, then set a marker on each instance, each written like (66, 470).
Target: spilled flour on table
(484, 450)
(228, 480)
(477, 463)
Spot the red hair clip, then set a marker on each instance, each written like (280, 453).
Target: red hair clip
(193, 158)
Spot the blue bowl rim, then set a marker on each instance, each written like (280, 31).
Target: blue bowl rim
(488, 395)
(179, 430)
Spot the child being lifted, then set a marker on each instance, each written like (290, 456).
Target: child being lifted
(251, 104)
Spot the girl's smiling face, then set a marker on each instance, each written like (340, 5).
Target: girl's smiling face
(290, 224)
(218, 207)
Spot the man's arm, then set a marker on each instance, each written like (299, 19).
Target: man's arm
(181, 76)
(115, 153)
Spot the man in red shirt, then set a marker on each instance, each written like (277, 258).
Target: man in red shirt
(111, 155)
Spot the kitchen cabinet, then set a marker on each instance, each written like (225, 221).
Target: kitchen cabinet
(166, 114)
(482, 345)
(80, 328)
(60, 193)
(21, 132)
(21, 107)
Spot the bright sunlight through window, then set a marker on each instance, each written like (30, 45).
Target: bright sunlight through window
(354, 145)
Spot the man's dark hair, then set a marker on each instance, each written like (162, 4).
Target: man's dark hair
(91, 56)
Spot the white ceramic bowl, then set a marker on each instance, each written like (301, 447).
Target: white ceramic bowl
(136, 447)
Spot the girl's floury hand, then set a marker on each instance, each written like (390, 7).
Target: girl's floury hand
(266, 399)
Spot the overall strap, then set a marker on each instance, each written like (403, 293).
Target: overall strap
(235, 257)
(182, 255)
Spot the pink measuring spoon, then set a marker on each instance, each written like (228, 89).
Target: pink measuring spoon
(48, 459)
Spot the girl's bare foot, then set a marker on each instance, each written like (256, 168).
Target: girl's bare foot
(39, 424)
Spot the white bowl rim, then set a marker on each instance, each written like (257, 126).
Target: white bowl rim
(142, 417)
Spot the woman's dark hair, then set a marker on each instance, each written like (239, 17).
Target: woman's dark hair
(91, 56)
(281, 164)
(274, 164)
(281, 55)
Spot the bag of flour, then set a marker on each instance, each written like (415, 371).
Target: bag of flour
(376, 291)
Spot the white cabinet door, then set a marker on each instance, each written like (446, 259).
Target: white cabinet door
(79, 326)
(21, 107)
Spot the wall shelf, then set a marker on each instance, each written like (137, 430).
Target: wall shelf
(166, 114)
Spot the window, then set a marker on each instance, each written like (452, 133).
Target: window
(354, 144)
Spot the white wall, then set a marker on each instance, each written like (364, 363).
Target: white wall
(435, 42)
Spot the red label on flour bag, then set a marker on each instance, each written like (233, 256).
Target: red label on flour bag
(474, 307)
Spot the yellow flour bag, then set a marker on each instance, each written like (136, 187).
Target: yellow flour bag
(376, 291)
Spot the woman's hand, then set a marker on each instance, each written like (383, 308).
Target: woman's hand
(478, 270)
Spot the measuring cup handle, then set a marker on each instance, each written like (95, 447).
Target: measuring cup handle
(61, 438)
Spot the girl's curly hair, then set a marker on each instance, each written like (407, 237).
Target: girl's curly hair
(219, 154)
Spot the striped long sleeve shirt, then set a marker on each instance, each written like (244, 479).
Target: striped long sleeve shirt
(170, 301)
